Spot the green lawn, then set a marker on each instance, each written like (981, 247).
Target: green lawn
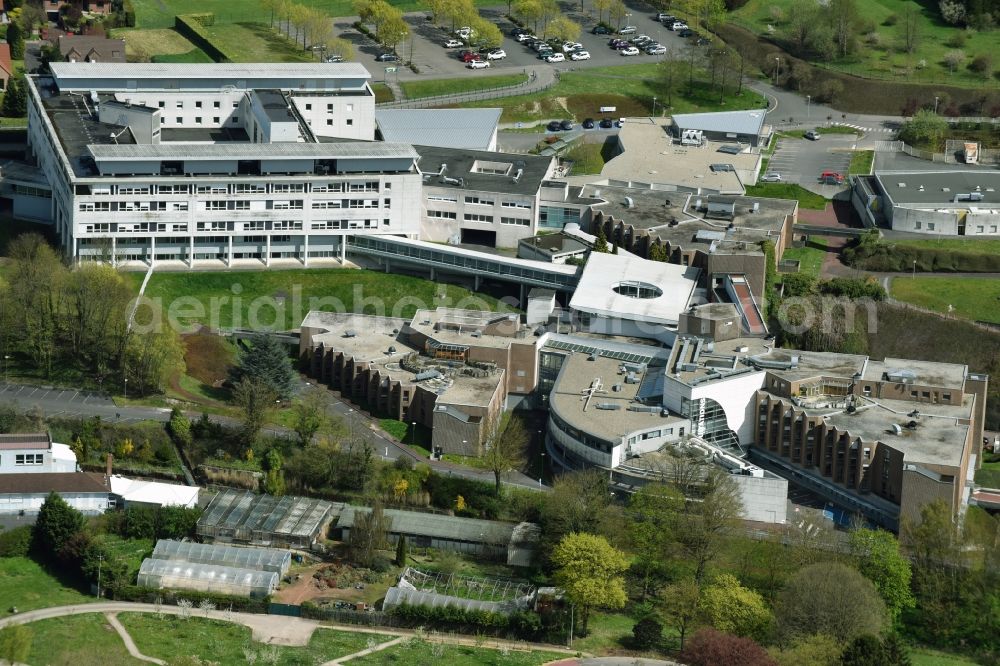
(861, 162)
(810, 257)
(255, 42)
(383, 93)
(972, 298)
(25, 584)
(977, 246)
(607, 631)
(629, 88)
(420, 653)
(279, 299)
(888, 60)
(587, 158)
(130, 551)
(416, 437)
(224, 643)
(436, 87)
(836, 129)
(989, 475)
(927, 657)
(805, 198)
(78, 640)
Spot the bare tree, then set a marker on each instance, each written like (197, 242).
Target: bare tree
(505, 445)
(369, 534)
(910, 29)
(255, 400)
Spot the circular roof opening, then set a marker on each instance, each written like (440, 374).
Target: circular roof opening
(634, 289)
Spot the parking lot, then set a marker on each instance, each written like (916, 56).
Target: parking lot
(425, 47)
(801, 161)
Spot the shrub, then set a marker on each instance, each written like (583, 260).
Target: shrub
(151, 595)
(709, 647)
(647, 633)
(15, 542)
(891, 19)
(982, 64)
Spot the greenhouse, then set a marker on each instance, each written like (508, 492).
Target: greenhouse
(206, 578)
(264, 520)
(258, 559)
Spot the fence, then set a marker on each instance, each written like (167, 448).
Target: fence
(533, 84)
(983, 325)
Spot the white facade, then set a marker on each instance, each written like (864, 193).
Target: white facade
(152, 493)
(735, 395)
(39, 458)
(30, 503)
(235, 171)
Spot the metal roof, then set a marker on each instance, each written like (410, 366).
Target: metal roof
(437, 526)
(738, 122)
(939, 188)
(259, 559)
(251, 151)
(11, 442)
(239, 71)
(472, 129)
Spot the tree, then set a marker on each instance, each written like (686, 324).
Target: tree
(401, 551)
(680, 606)
(274, 478)
(180, 427)
(392, 31)
(647, 633)
(952, 11)
(255, 399)
(341, 47)
(829, 598)
(15, 98)
(505, 446)
(310, 415)
(266, 361)
(670, 78)
(15, 643)
(57, 521)
(151, 359)
(734, 609)
(649, 525)
(590, 570)
(485, 34)
(369, 534)
(617, 12)
(865, 650)
(844, 19)
(601, 242)
(815, 650)
(909, 28)
(563, 29)
(601, 6)
(318, 28)
(701, 526)
(549, 10)
(709, 647)
(954, 59)
(925, 128)
(529, 11)
(15, 38)
(577, 503)
(879, 559)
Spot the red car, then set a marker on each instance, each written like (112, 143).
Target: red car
(831, 178)
(469, 56)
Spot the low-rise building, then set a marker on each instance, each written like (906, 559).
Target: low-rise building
(140, 492)
(740, 127)
(24, 494)
(86, 48)
(462, 129)
(35, 453)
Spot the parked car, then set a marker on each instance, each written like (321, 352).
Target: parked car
(569, 47)
(478, 64)
(540, 45)
(554, 126)
(519, 31)
(555, 57)
(496, 54)
(525, 37)
(544, 55)
(464, 32)
(588, 123)
(617, 43)
(831, 177)
(607, 123)
(629, 51)
(579, 55)
(685, 32)
(468, 56)
(628, 30)
(453, 43)
(333, 57)
(641, 40)
(656, 49)
(601, 30)
(812, 135)
(566, 125)
(771, 178)
(387, 57)
(662, 16)
(678, 25)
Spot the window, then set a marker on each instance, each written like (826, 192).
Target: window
(197, 105)
(925, 394)
(348, 107)
(472, 217)
(946, 396)
(215, 205)
(515, 204)
(329, 108)
(349, 121)
(215, 120)
(387, 203)
(179, 104)
(917, 224)
(236, 105)
(162, 104)
(979, 229)
(930, 226)
(216, 104)
(913, 394)
(329, 121)
(479, 201)
(442, 198)
(515, 221)
(442, 214)
(197, 120)
(309, 107)
(29, 459)
(235, 119)
(868, 388)
(179, 120)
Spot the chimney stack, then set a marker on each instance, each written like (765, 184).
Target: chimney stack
(108, 470)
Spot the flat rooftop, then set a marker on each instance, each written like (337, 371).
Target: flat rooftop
(677, 218)
(473, 328)
(117, 72)
(606, 414)
(938, 188)
(795, 365)
(750, 121)
(482, 170)
(556, 243)
(363, 337)
(650, 155)
(939, 438)
(631, 288)
(927, 373)
(275, 106)
(470, 391)
(464, 129)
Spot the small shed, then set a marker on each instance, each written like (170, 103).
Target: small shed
(720, 208)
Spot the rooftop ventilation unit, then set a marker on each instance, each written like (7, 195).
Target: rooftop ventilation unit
(629, 202)
(518, 175)
(616, 388)
(608, 406)
(427, 374)
(631, 378)
(592, 357)
(349, 334)
(391, 350)
(451, 181)
(896, 429)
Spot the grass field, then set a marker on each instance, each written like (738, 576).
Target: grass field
(169, 637)
(971, 298)
(417, 437)
(805, 198)
(161, 45)
(888, 60)
(989, 475)
(436, 87)
(607, 631)
(927, 657)
(630, 88)
(280, 299)
(861, 162)
(587, 158)
(78, 640)
(810, 257)
(25, 584)
(420, 653)
(255, 42)
(383, 93)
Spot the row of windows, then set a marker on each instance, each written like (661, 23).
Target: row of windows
(479, 201)
(29, 459)
(473, 217)
(515, 221)
(237, 188)
(442, 214)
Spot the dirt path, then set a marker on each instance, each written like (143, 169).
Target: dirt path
(129, 643)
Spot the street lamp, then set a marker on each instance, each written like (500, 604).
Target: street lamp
(913, 276)
(5, 359)
(350, 422)
(808, 100)
(654, 106)
(936, 98)
(777, 68)
(413, 433)
(126, 388)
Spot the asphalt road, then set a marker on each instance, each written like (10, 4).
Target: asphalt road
(802, 161)
(57, 402)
